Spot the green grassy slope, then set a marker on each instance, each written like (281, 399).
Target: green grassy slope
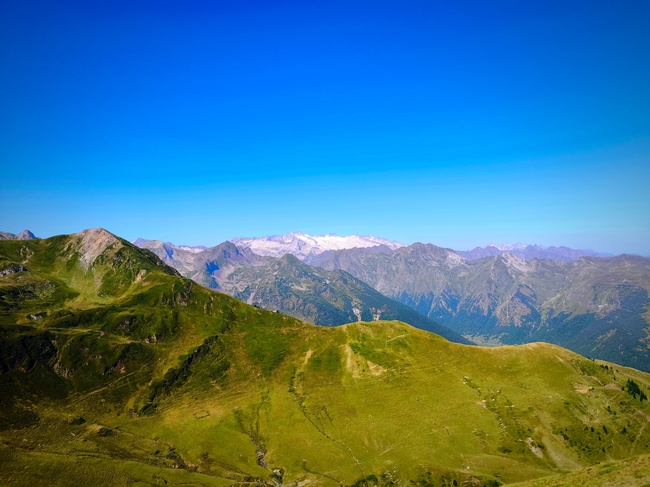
(633, 472)
(116, 371)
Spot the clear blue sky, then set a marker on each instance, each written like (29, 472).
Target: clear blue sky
(455, 123)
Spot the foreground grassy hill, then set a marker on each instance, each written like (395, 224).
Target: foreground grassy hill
(114, 370)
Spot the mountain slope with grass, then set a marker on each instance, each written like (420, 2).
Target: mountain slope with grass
(115, 370)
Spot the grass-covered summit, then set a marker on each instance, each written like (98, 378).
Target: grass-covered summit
(114, 370)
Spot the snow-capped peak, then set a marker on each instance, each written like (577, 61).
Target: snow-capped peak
(194, 250)
(302, 245)
(507, 247)
(141, 242)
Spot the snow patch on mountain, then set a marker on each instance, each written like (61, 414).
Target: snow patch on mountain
(302, 245)
(150, 244)
(194, 250)
(509, 247)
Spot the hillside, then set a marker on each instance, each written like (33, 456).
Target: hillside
(286, 284)
(595, 306)
(116, 371)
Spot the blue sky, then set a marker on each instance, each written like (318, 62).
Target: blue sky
(455, 123)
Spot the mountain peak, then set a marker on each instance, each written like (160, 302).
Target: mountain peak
(93, 242)
(139, 242)
(24, 235)
(143, 243)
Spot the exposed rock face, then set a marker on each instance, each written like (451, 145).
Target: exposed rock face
(93, 242)
(207, 267)
(24, 235)
(12, 269)
(595, 306)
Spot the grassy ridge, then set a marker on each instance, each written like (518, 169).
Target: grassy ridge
(135, 376)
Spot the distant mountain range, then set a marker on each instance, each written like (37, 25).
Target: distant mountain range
(307, 247)
(290, 286)
(596, 306)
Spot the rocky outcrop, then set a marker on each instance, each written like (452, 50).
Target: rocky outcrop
(24, 235)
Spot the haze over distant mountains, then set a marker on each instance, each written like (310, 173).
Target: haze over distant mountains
(307, 247)
(529, 252)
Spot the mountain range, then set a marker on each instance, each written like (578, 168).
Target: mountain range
(595, 306)
(290, 286)
(307, 247)
(117, 371)
(24, 235)
(530, 252)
